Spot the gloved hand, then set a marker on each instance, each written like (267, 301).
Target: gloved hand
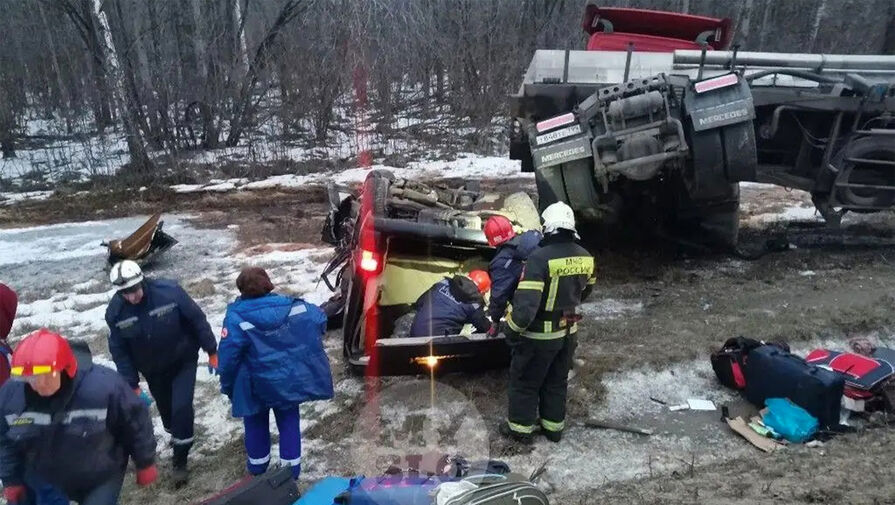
(143, 396)
(147, 476)
(213, 364)
(14, 494)
(493, 330)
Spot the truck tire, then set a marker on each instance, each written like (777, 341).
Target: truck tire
(581, 187)
(521, 150)
(875, 148)
(376, 187)
(712, 222)
(740, 154)
(550, 187)
(704, 173)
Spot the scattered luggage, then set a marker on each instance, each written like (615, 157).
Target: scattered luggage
(775, 373)
(729, 362)
(789, 421)
(461, 483)
(860, 372)
(275, 487)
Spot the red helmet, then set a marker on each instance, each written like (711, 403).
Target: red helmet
(481, 279)
(43, 352)
(499, 229)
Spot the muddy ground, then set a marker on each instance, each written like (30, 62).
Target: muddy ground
(660, 311)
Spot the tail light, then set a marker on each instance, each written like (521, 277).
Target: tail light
(370, 262)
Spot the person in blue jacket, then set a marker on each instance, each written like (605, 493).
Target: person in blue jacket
(450, 304)
(70, 424)
(156, 329)
(505, 268)
(272, 358)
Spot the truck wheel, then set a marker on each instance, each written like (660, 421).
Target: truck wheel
(550, 187)
(712, 222)
(376, 187)
(870, 148)
(704, 173)
(581, 187)
(521, 150)
(740, 154)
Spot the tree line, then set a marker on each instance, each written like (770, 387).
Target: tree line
(178, 75)
(175, 75)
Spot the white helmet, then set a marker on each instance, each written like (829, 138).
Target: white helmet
(558, 216)
(125, 274)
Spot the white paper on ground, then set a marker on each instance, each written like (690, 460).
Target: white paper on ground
(697, 404)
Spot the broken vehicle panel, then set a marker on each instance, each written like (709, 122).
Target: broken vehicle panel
(143, 245)
(394, 240)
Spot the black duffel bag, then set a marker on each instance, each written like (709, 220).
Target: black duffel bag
(730, 362)
(275, 487)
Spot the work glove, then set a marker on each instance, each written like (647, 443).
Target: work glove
(14, 494)
(493, 331)
(147, 476)
(213, 364)
(143, 396)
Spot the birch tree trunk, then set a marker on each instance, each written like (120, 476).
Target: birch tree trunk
(135, 146)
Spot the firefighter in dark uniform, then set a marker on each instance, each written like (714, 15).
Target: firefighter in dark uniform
(505, 268)
(541, 328)
(70, 424)
(156, 329)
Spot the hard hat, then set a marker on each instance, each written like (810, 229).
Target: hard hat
(481, 279)
(43, 352)
(125, 274)
(498, 229)
(558, 216)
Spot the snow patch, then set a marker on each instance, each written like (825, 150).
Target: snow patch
(11, 198)
(610, 308)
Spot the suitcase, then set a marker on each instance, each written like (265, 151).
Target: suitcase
(860, 372)
(275, 487)
(773, 373)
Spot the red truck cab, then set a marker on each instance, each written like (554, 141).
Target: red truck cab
(613, 28)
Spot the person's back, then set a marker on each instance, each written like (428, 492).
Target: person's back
(283, 356)
(505, 270)
(272, 358)
(449, 305)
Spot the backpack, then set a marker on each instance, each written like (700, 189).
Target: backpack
(729, 362)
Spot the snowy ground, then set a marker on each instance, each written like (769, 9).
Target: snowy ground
(59, 271)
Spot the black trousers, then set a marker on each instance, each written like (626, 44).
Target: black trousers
(539, 380)
(173, 392)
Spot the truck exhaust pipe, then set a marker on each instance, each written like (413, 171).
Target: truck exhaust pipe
(817, 62)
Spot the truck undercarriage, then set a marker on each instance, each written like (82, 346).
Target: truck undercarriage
(663, 138)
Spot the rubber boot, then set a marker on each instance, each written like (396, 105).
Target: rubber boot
(181, 474)
(524, 438)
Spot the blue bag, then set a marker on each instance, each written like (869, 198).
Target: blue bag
(789, 420)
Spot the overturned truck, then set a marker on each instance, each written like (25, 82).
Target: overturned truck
(657, 122)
